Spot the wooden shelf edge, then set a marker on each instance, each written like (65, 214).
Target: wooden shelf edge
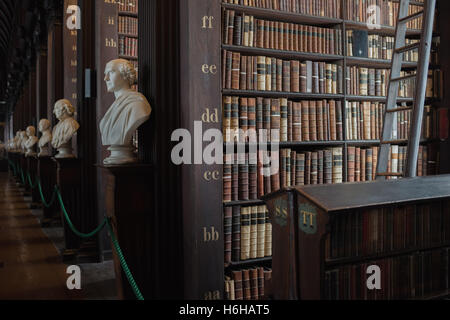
(128, 14)
(248, 262)
(276, 94)
(127, 57)
(130, 35)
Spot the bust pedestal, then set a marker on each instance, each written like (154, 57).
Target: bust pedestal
(25, 169)
(47, 176)
(68, 172)
(128, 197)
(32, 164)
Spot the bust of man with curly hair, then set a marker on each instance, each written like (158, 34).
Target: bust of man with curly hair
(129, 111)
(65, 129)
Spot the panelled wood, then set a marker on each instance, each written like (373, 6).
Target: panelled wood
(202, 184)
(47, 177)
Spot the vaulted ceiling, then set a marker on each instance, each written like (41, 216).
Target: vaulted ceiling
(23, 29)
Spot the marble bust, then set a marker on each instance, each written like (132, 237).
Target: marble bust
(23, 140)
(31, 141)
(46, 138)
(65, 129)
(15, 143)
(129, 111)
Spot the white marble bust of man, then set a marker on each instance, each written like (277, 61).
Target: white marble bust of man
(23, 140)
(129, 111)
(15, 143)
(44, 128)
(65, 129)
(31, 141)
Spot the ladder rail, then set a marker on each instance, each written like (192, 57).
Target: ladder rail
(420, 89)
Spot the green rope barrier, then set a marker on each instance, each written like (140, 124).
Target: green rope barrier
(42, 196)
(69, 222)
(21, 176)
(13, 166)
(30, 183)
(123, 263)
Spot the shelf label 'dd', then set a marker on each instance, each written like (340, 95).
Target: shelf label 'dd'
(307, 220)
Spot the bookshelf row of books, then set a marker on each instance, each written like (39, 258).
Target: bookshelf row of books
(325, 8)
(128, 46)
(364, 121)
(128, 25)
(270, 74)
(412, 276)
(246, 30)
(250, 175)
(254, 283)
(383, 230)
(281, 120)
(247, 232)
(361, 44)
(380, 12)
(362, 162)
(129, 6)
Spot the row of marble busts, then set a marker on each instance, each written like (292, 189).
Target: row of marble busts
(25, 141)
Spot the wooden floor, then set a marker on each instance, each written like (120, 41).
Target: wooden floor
(30, 266)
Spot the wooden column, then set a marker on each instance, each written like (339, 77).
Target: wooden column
(130, 211)
(68, 181)
(41, 84)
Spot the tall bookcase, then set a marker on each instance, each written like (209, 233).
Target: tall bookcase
(180, 58)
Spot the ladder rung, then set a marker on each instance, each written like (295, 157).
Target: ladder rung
(397, 141)
(399, 109)
(408, 47)
(410, 76)
(411, 17)
(390, 174)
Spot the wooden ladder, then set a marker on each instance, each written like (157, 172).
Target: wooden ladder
(421, 75)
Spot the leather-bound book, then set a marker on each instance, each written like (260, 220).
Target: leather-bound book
(360, 43)
(319, 120)
(283, 120)
(267, 115)
(226, 118)
(339, 121)
(274, 74)
(245, 233)
(315, 78)
(238, 285)
(350, 164)
(371, 82)
(268, 284)
(251, 124)
(293, 168)
(300, 169)
(254, 284)
(363, 81)
(286, 76)
(283, 168)
(363, 165)
(369, 160)
(328, 166)
(322, 77)
(305, 120)
(279, 75)
(246, 30)
(272, 35)
(373, 121)
(326, 120)
(297, 121)
(266, 34)
(275, 121)
(275, 170)
(266, 170)
(253, 232)
(246, 284)
(260, 33)
(227, 177)
(243, 177)
(228, 69)
(261, 228)
(227, 232)
(261, 283)
(249, 73)
(260, 120)
(236, 234)
(307, 167)
(295, 76)
(235, 71)
(357, 164)
(235, 179)
(333, 129)
(261, 69)
(268, 74)
(230, 27)
(320, 167)
(288, 167)
(337, 165)
(281, 35)
(290, 118)
(268, 233)
(253, 175)
(237, 34)
(312, 121)
(243, 119)
(314, 168)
